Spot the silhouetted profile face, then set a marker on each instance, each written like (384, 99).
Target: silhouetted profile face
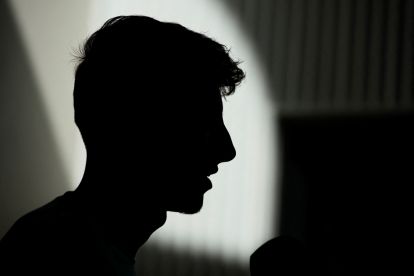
(197, 141)
(148, 102)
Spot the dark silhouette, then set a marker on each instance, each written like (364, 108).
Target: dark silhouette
(282, 256)
(285, 255)
(147, 101)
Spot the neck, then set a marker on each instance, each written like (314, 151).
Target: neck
(125, 221)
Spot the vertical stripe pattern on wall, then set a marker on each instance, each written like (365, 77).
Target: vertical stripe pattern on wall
(334, 55)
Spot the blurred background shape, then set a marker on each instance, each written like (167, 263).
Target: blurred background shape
(333, 79)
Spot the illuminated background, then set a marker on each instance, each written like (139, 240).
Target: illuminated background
(322, 125)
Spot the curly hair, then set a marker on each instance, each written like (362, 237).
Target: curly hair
(152, 54)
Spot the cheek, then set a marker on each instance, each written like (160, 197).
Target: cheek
(181, 156)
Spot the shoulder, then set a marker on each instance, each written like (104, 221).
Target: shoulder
(40, 223)
(40, 238)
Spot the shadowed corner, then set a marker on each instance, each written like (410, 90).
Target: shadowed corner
(31, 170)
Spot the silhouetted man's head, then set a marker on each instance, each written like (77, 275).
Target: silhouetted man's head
(148, 104)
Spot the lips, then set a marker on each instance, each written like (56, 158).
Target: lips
(212, 170)
(207, 184)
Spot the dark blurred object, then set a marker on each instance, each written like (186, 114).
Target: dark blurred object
(283, 255)
(347, 190)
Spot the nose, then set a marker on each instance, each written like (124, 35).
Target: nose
(226, 151)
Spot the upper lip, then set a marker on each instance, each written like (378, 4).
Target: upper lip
(212, 170)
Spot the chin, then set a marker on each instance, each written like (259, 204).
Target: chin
(191, 210)
(185, 206)
(186, 196)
